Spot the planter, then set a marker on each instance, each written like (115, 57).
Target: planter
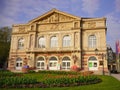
(25, 70)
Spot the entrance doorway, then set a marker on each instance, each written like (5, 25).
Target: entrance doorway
(66, 63)
(40, 63)
(53, 63)
(93, 63)
(19, 64)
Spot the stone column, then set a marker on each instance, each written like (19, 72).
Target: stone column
(72, 40)
(60, 63)
(60, 41)
(47, 41)
(47, 63)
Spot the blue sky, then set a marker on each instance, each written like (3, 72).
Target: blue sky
(22, 11)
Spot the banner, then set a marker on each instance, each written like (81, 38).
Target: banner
(117, 47)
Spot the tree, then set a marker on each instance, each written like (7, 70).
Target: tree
(5, 37)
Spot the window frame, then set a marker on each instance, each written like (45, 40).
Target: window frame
(92, 41)
(21, 43)
(66, 41)
(41, 42)
(66, 62)
(40, 61)
(53, 41)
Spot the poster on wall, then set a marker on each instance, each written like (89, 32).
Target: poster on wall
(90, 64)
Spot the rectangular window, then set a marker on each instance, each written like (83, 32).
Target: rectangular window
(92, 41)
(101, 63)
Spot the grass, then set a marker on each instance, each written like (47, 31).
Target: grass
(108, 83)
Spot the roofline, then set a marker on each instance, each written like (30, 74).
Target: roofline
(51, 11)
(93, 19)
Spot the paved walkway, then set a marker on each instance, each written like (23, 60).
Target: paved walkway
(117, 76)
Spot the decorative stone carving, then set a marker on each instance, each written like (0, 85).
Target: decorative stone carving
(32, 27)
(21, 29)
(55, 18)
(91, 24)
(55, 27)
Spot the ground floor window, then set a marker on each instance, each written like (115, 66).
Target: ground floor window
(40, 63)
(19, 64)
(53, 64)
(101, 63)
(66, 63)
(93, 63)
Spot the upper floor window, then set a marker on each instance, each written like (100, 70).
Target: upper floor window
(41, 42)
(66, 41)
(54, 41)
(92, 41)
(21, 43)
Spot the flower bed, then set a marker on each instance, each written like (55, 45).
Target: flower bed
(68, 81)
(48, 79)
(16, 81)
(59, 72)
(6, 73)
(9, 79)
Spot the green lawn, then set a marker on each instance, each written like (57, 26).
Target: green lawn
(108, 83)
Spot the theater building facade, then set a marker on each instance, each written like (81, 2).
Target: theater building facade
(57, 41)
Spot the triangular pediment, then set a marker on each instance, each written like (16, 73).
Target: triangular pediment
(54, 16)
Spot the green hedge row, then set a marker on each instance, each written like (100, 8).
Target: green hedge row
(56, 72)
(5, 73)
(12, 81)
(67, 78)
(80, 80)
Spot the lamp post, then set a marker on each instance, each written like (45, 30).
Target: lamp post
(102, 55)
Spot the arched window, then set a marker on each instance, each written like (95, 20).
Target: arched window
(54, 41)
(40, 63)
(66, 63)
(18, 64)
(53, 63)
(66, 41)
(21, 43)
(92, 58)
(41, 42)
(92, 41)
(53, 58)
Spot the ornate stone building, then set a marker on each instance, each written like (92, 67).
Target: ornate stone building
(57, 41)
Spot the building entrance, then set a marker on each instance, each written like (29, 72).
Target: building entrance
(53, 63)
(93, 63)
(19, 64)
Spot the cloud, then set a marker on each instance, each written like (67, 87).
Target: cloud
(117, 5)
(113, 29)
(90, 6)
(6, 21)
(14, 11)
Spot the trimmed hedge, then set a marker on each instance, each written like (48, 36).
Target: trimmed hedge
(80, 80)
(54, 79)
(10, 79)
(59, 72)
(13, 81)
(5, 73)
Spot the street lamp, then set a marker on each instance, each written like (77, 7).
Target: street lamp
(102, 55)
